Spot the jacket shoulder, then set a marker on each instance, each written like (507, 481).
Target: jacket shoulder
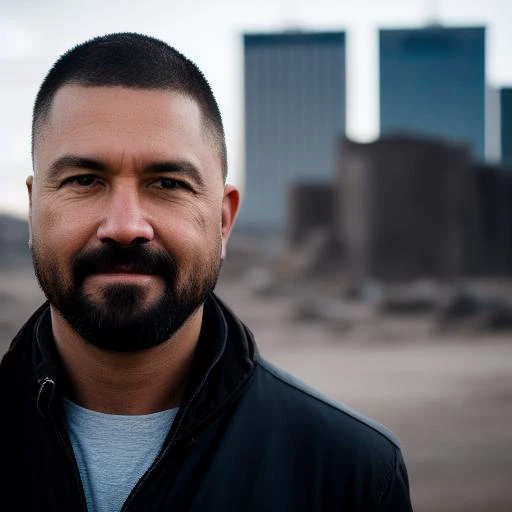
(310, 398)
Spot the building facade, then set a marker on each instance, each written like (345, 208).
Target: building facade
(506, 125)
(432, 82)
(294, 86)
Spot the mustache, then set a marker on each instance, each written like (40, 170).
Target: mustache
(116, 258)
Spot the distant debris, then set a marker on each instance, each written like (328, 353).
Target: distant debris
(417, 297)
(325, 311)
(314, 255)
(471, 311)
(261, 282)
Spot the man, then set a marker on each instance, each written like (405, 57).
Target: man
(134, 387)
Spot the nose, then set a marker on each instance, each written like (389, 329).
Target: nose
(124, 221)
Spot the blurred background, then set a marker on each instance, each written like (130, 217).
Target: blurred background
(372, 141)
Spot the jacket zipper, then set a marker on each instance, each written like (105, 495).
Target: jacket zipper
(57, 426)
(172, 440)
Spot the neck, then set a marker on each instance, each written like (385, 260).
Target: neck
(141, 382)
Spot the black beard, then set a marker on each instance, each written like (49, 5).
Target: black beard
(119, 321)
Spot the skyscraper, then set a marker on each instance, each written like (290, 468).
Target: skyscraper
(294, 86)
(506, 125)
(432, 82)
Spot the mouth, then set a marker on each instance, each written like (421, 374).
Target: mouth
(123, 272)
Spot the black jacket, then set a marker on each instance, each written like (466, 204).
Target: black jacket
(247, 438)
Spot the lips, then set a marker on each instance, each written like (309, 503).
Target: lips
(126, 268)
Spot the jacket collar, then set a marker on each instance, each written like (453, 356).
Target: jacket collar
(223, 364)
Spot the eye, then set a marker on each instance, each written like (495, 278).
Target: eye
(84, 180)
(170, 183)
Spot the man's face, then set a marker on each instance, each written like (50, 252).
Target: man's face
(129, 212)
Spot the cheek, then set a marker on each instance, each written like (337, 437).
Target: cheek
(190, 225)
(57, 233)
(196, 216)
(208, 219)
(195, 244)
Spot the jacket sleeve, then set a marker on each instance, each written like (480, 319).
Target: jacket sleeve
(398, 498)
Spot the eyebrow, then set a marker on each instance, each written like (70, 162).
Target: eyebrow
(178, 167)
(77, 162)
(158, 167)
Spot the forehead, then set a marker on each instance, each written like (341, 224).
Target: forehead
(123, 120)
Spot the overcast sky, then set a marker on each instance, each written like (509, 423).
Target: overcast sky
(34, 33)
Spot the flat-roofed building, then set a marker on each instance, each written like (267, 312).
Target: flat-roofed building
(506, 125)
(432, 83)
(294, 84)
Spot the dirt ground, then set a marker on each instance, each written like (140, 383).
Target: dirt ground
(448, 397)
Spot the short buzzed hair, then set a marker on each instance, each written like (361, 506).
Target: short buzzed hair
(135, 61)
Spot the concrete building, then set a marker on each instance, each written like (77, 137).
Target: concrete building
(405, 203)
(294, 86)
(432, 83)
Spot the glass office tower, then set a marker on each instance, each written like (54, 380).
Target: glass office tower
(432, 82)
(506, 125)
(294, 85)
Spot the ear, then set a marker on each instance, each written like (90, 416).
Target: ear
(29, 182)
(230, 204)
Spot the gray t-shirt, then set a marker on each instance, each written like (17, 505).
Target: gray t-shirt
(114, 451)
